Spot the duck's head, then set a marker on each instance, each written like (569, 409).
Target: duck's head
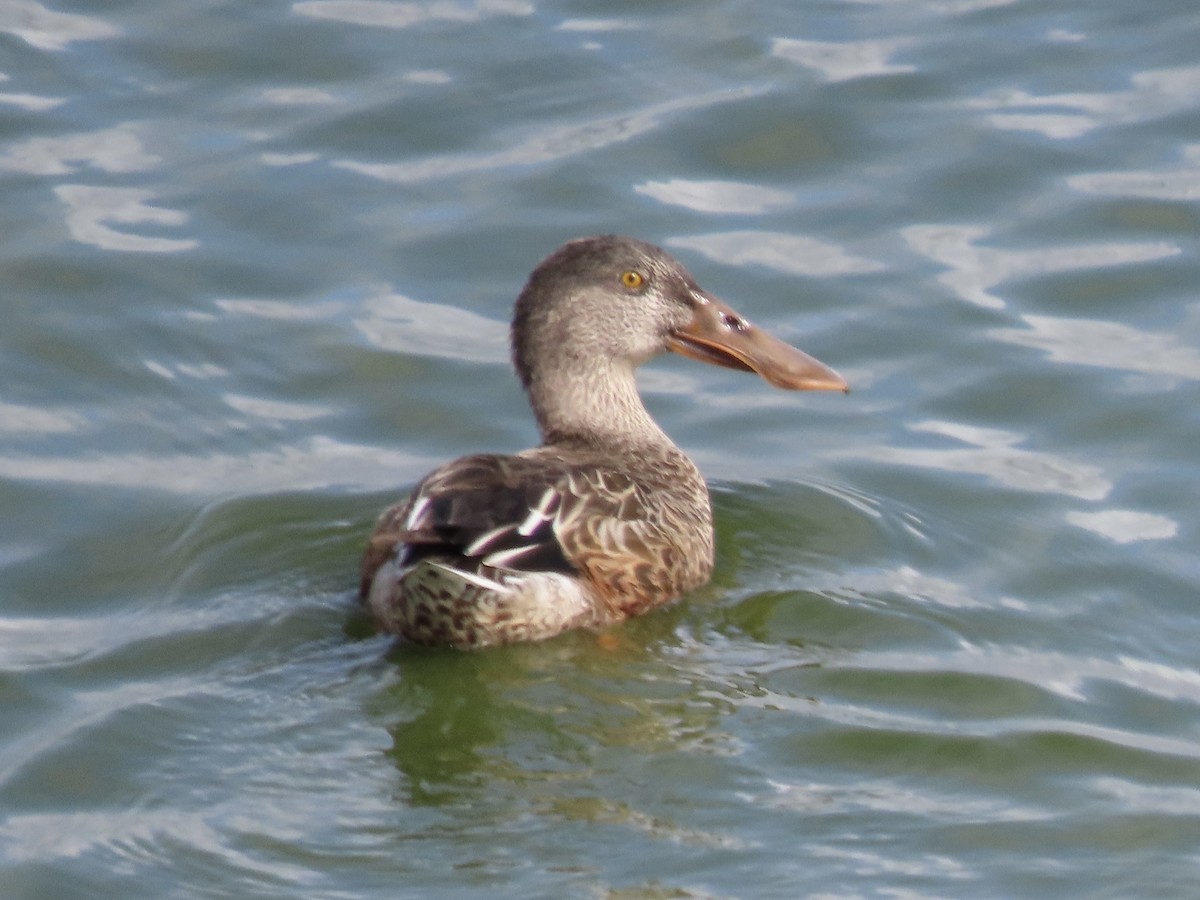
(611, 302)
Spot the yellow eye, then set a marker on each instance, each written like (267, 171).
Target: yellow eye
(632, 279)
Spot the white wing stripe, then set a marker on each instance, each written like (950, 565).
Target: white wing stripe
(480, 544)
(538, 515)
(414, 515)
(478, 580)
(503, 559)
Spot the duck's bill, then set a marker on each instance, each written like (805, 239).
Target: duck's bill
(720, 336)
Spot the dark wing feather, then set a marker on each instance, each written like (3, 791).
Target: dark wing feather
(478, 510)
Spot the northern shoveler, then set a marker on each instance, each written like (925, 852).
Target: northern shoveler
(607, 518)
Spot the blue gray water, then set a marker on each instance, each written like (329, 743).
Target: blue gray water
(255, 270)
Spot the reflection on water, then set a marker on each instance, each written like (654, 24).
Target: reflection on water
(546, 145)
(28, 102)
(118, 149)
(15, 418)
(381, 14)
(728, 197)
(1125, 526)
(47, 29)
(73, 835)
(844, 61)
(793, 254)
(1112, 345)
(994, 453)
(281, 311)
(296, 96)
(1180, 183)
(401, 324)
(311, 465)
(975, 270)
(93, 209)
(596, 25)
(923, 588)
(1154, 94)
(260, 408)
(1072, 677)
(90, 210)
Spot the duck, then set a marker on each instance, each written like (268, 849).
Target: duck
(607, 518)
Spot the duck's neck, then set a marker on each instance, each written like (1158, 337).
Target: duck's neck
(595, 403)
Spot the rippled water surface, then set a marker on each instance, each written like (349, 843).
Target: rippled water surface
(257, 262)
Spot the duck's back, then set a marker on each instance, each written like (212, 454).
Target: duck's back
(491, 549)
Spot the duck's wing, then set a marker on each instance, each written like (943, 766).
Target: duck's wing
(484, 510)
(528, 514)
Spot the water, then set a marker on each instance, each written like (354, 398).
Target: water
(257, 265)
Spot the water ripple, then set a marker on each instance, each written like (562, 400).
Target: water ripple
(1155, 93)
(17, 419)
(993, 453)
(1061, 673)
(878, 796)
(1125, 526)
(276, 410)
(403, 325)
(976, 269)
(729, 197)
(592, 25)
(48, 30)
(790, 253)
(90, 209)
(116, 149)
(844, 61)
(1181, 183)
(1112, 345)
(30, 102)
(547, 145)
(381, 14)
(318, 462)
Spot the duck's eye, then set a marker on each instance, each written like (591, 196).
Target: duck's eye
(632, 279)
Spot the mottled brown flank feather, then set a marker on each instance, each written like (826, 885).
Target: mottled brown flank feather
(622, 529)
